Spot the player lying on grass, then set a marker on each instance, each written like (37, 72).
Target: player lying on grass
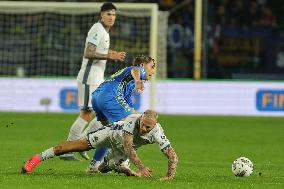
(123, 140)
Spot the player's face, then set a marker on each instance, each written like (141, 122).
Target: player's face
(146, 125)
(108, 17)
(150, 69)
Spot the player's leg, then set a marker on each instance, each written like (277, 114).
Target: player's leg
(97, 157)
(99, 154)
(82, 120)
(84, 102)
(88, 117)
(67, 146)
(93, 125)
(113, 111)
(98, 99)
(92, 120)
(100, 151)
(116, 161)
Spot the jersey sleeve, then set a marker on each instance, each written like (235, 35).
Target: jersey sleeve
(95, 35)
(142, 73)
(162, 140)
(128, 93)
(129, 100)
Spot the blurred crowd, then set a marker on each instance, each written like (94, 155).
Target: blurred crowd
(231, 12)
(231, 24)
(248, 12)
(225, 12)
(236, 18)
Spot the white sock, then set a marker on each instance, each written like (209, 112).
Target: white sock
(95, 164)
(126, 163)
(49, 153)
(76, 129)
(93, 125)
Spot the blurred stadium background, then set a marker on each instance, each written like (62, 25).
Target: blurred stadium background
(241, 63)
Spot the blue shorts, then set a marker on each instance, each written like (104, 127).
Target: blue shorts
(109, 106)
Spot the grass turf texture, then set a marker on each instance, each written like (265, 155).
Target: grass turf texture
(206, 146)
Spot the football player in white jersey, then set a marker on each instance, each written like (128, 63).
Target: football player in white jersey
(123, 140)
(91, 74)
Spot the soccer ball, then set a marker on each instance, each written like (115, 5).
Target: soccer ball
(242, 167)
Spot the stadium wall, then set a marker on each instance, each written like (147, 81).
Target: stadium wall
(172, 97)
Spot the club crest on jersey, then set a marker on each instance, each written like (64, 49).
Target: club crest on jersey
(129, 124)
(95, 37)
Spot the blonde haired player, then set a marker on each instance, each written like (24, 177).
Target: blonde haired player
(123, 140)
(91, 74)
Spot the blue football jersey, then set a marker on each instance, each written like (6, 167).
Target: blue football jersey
(124, 75)
(128, 92)
(112, 100)
(123, 80)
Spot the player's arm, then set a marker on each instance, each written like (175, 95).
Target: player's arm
(139, 86)
(132, 155)
(90, 53)
(172, 163)
(111, 51)
(127, 171)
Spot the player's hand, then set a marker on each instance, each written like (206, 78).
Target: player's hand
(132, 174)
(117, 56)
(121, 56)
(145, 172)
(139, 86)
(166, 178)
(127, 171)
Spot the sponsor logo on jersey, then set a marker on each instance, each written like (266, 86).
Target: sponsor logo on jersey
(95, 37)
(270, 100)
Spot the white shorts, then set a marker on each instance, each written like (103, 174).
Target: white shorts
(99, 137)
(85, 95)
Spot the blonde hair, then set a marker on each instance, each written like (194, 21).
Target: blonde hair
(151, 114)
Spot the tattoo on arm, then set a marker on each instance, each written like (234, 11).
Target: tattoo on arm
(127, 171)
(172, 162)
(130, 151)
(90, 52)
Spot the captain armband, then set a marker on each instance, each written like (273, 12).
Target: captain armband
(127, 132)
(166, 148)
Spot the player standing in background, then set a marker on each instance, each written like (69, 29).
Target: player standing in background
(112, 100)
(91, 74)
(137, 130)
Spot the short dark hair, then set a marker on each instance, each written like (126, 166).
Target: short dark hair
(107, 6)
(142, 59)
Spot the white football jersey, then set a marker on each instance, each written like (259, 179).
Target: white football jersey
(156, 135)
(92, 71)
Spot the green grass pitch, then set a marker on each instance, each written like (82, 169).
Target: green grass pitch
(206, 147)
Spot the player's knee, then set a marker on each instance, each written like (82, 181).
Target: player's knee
(105, 122)
(86, 115)
(58, 150)
(82, 145)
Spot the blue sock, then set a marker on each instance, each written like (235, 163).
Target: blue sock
(100, 153)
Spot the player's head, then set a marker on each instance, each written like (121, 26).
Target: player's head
(108, 14)
(148, 121)
(148, 63)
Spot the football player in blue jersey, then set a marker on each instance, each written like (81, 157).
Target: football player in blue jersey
(112, 99)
